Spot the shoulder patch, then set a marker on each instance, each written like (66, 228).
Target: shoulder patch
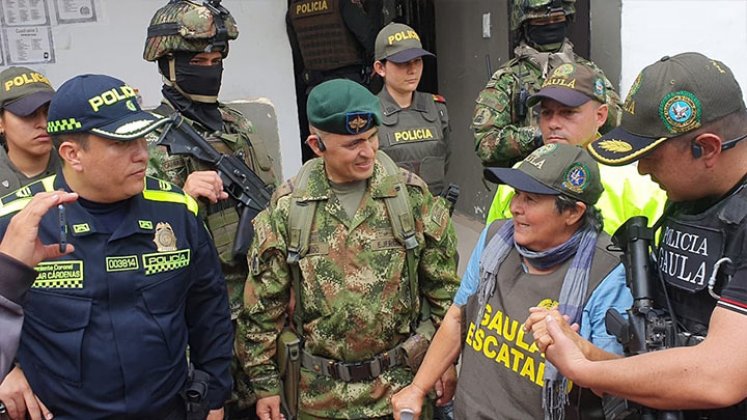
(19, 198)
(439, 98)
(164, 191)
(414, 180)
(286, 188)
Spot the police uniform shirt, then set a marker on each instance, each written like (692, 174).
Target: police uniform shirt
(107, 326)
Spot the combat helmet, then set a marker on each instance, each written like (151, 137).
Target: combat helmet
(189, 26)
(523, 10)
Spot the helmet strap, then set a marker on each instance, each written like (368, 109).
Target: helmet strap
(171, 81)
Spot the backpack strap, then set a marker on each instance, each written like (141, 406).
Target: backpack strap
(403, 227)
(300, 216)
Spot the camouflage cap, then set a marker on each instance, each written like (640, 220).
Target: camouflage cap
(24, 90)
(523, 10)
(189, 26)
(571, 84)
(342, 106)
(669, 98)
(399, 43)
(554, 169)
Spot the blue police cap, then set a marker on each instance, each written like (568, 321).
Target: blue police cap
(100, 105)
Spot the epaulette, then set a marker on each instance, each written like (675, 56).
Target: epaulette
(286, 188)
(19, 198)
(164, 191)
(414, 180)
(439, 98)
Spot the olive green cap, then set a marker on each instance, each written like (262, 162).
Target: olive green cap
(554, 169)
(669, 98)
(23, 90)
(398, 43)
(571, 84)
(342, 106)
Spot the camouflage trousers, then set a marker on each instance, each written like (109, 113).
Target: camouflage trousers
(241, 405)
(427, 414)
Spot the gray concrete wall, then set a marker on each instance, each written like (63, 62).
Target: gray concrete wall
(465, 62)
(606, 47)
(259, 64)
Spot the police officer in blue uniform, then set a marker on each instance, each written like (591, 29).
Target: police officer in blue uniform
(107, 326)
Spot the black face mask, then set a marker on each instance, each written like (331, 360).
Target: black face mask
(547, 37)
(197, 80)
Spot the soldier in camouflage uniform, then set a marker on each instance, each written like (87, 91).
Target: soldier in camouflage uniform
(356, 297)
(189, 41)
(506, 130)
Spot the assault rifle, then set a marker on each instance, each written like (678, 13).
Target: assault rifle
(646, 329)
(240, 182)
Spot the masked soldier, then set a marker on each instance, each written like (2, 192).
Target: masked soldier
(189, 41)
(506, 130)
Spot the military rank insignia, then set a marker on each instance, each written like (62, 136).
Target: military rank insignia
(358, 122)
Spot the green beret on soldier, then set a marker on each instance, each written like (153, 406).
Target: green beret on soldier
(346, 256)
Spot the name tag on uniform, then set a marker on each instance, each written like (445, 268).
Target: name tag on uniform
(66, 274)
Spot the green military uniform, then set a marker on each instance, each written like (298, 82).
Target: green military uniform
(356, 303)
(505, 130)
(356, 299)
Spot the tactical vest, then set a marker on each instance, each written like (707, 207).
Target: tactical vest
(690, 248)
(416, 137)
(222, 217)
(301, 215)
(502, 369)
(324, 40)
(529, 68)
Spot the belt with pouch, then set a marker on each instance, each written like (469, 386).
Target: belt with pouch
(365, 370)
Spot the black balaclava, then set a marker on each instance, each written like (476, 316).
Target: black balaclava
(546, 37)
(193, 90)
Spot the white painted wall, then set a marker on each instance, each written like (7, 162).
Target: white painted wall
(655, 28)
(259, 65)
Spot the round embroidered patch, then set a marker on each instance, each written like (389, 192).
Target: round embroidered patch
(563, 70)
(680, 111)
(576, 178)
